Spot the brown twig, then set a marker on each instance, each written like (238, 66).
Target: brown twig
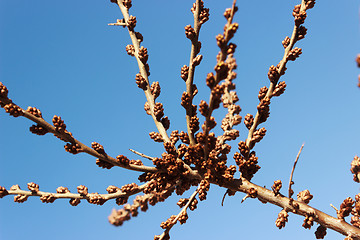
(190, 79)
(183, 210)
(117, 193)
(149, 96)
(266, 195)
(291, 192)
(280, 71)
(65, 136)
(221, 58)
(141, 154)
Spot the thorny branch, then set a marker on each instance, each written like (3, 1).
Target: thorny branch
(290, 191)
(201, 158)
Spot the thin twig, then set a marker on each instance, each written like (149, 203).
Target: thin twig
(141, 154)
(334, 207)
(191, 199)
(267, 195)
(222, 58)
(190, 79)
(69, 195)
(150, 98)
(292, 171)
(84, 148)
(272, 86)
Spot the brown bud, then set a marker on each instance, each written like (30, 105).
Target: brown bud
(59, 124)
(98, 147)
(196, 61)
(143, 54)
(130, 49)
(33, 187)
(304, 196)
(13, 109)
(320, 232)
(123, 160)
(293, 54)
(286, 42)
(48, 198)
(156, 136)
(155, 89)
(82, 190)
(34, 111)
(141, 81)
(131, 23)
(103, 164)
(62, 190)
(184, 72)
(282, 219)
(190, 32)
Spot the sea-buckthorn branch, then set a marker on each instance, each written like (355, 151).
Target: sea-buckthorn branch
(188, 71)
(181, 217)
(229, 99)
(120, 194)
(298, 207)
(141, 56)
(221, 70)
(151, 107)
(290, 191)
(74, 146)
(290, 54)
(118, 217)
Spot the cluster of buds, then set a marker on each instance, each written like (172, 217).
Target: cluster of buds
(203, 189)
(13, 109)
(308, 221)
(123, 160)
(48, 198)
(345, 208)
(96, 198)
(98, 147)
(3, 91)
(279, 89)
(156, 136)
(293, 54)
(184, 72)
(34, 111)
(73, 148)
(247, 165)
(143, 54)
(129, 188)
(320, 232)
(355, 168)
(304, 196)
(355, 219)
(282, 219)
(141, 81)
(131, 23)
(203, 12)
(33, 187)
(155, 89)
(59, 124)
(276, 187)
(169, 222)
(248, 120)
(38, 130)
(299, 15)
(190, 32)
(103, 164)
(130, 49)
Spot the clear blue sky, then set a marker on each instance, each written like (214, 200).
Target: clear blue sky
(61, 57)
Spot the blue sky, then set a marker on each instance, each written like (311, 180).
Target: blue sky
(61, 57)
